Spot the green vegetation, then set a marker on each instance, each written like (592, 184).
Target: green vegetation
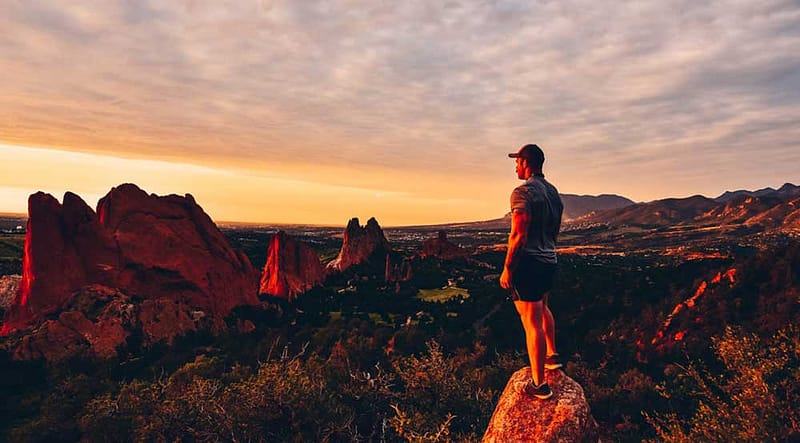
(11, 246)
(441, 295)
(753, 398)
(11, 251)
(384, 363)
(328, 254)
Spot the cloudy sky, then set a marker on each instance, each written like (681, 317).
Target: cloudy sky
(317, 111)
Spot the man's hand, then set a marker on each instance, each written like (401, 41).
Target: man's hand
(505, 279)
(520, 221)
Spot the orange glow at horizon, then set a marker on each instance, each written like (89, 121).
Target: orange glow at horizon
(252, 195)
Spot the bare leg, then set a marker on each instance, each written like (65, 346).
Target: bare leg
(531, 313)
(549, 327)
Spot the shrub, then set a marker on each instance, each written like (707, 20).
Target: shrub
(753, 399)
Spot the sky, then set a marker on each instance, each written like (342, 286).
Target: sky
(314, 112)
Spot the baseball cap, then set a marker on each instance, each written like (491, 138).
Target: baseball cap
(531, 152)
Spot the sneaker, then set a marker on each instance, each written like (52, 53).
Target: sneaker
(541, 392)
(552, 362)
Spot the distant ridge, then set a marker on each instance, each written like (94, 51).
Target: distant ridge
(579, 205)
(575, 206)
(787, 190)
(666, 211)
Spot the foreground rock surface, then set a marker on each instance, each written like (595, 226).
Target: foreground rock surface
(563, 418)
(147, 246)
(292, 268)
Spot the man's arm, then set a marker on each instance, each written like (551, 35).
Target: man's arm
(520, 220)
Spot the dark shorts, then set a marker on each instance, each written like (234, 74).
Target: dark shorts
(532, 279)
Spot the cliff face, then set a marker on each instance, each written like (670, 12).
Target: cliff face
(442, 248)
(361, 244)
(146, 246)
(292, 268)
(565, 417)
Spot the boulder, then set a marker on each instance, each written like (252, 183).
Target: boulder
(361, 245)
(163, 320)
(292, 268)
(97, 321)
(9, 286)
(565, 417)
(147, 246)
(52, 341)
(442, 248)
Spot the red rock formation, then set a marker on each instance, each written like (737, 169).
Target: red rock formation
(360, 245)
(98, 320)
(164, 320)
(95, 322)
(565, 417)
(442, 248)
(292, 268)
(147, 246)
(664, 338)
(65, 248)
(170, 248)
(9, 287)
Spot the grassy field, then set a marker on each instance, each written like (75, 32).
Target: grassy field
(441, 295)
(11, 251)
(11, 246)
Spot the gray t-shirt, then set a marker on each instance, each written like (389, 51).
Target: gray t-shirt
(540, 199)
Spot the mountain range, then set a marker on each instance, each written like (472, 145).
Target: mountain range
(769, 208)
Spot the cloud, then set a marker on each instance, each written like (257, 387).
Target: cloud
(624, 96)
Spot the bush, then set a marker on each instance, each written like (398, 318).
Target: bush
(442, 397)
(753, 399)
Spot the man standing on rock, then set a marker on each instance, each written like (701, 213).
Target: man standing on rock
(530, 264)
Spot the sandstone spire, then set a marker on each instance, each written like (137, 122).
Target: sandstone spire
(360, 245)
(292, 268)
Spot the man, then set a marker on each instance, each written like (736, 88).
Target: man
(530, 265)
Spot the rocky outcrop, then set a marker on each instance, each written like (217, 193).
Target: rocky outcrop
(65, 248)
(147, 246)
(98, 321)
(292, 268)
(670, 334)
(361, 245)
(442, 248)
(565, 417)
(9, 286)
(784, 215)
